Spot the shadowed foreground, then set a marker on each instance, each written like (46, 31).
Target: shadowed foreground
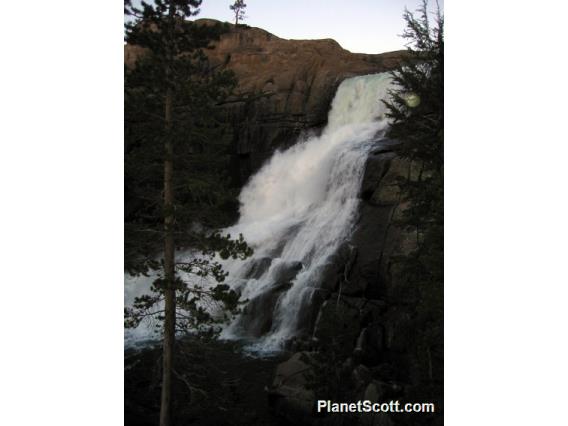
(214, 384)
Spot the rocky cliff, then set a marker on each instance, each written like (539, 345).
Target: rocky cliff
(289, 86)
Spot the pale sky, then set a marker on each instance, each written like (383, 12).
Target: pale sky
(366, 26)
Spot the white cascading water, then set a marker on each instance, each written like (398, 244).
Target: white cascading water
(302, 205)
(296, 211)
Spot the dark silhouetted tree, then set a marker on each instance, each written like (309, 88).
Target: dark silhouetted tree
(171, 95)
(417, 110)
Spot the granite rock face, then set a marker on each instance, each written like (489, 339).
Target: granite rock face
(296, 81)
(289, 86)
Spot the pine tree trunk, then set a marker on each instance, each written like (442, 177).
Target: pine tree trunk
(169, 270)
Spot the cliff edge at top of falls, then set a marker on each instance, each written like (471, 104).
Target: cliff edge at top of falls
(265, 62)
(298, 79)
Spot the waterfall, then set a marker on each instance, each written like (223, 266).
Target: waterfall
(298, 209)
(296, 212)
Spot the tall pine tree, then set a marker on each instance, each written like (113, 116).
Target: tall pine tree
(171, 96)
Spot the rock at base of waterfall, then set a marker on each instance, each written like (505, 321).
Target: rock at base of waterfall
(256, 318)
(307, 317)
(289, 396)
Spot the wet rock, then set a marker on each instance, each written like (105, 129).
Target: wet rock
(285, 272)
(350, 283)
(256, 318)
(258, 267)
(307, 316)
(346, 256)
(329, 276)
(338, 267)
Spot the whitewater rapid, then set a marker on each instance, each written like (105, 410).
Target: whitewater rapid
(295, 212)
